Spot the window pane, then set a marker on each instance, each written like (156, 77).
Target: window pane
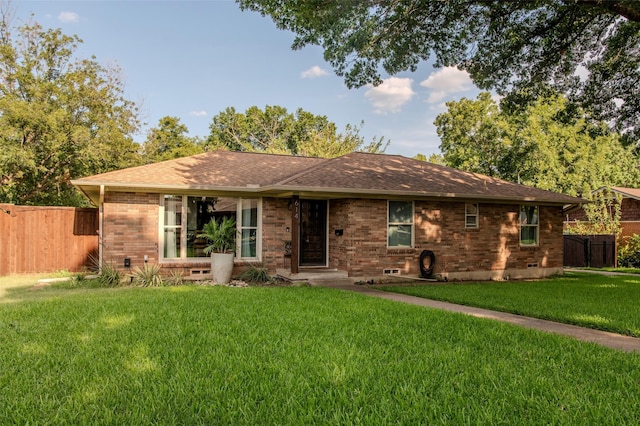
(172, 210)
(400, 212)
(249, 213)
(528, 225)
(528, 235)
(472, 221)
(529, 215)
(200, 210)
(472, 209)
(172, 225)
(248, 244)
(172, 242)
(399, 235)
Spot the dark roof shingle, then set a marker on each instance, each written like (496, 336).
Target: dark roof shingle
(353, 173)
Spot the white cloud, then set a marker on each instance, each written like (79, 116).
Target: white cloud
(314, 72)
(198, 113)
(445, 82)
(69, 17)
(391, 95)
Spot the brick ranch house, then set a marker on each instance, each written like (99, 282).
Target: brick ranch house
(366, 214)
(629, 211)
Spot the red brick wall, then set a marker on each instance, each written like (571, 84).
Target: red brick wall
(630, 219)
(130, 228)
(630, 210)
(276, 229)
(628, 230)
(440, 226)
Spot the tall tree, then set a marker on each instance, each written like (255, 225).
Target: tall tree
(60, 117)
(274, 130)
(548, 145)
(589, 49)
(169, 140)
(472, 134)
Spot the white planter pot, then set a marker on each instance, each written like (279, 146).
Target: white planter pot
(221, 267)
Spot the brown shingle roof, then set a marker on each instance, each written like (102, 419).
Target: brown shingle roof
(396, 174)
(628, 192)
(352, 174)
(211, 169)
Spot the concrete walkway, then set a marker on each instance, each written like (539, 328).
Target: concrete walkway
(611, 340)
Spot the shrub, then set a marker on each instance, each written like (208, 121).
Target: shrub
(220, 235)
(175, 278)
(147, 276)
(256, 273)
(109, 275)
(629, 254)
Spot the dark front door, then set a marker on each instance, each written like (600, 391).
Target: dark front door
(313, 233)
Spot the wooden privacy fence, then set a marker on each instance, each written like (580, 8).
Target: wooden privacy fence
(596, 251)
(46, 239)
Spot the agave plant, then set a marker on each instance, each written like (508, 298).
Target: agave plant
(148, 276)
(220, 235)
(257, 273)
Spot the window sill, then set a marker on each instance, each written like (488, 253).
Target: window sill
(400, 250)
(187, 263)
(529, 246)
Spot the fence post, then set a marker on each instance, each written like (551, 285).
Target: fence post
(587, 251)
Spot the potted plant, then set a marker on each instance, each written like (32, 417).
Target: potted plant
(221, 237)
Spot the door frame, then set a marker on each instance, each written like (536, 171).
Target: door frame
(325, 241)
(296, 210)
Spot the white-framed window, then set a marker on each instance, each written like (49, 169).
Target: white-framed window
(471, 212)
(400, 224)
(182, 218)
(248, 225)
(529, 225)
(172, 226)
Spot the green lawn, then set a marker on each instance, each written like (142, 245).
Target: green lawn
(591, 300)
(621, 270)
(290, 355)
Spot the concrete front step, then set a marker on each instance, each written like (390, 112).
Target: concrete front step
(331, 282)
(315, 275)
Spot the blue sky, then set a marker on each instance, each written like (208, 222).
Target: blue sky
(193, 59)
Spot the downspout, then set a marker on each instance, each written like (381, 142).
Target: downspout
(100, 227)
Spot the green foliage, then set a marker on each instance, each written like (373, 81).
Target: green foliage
(109, 275)
(629, 252)
(256, 273)
(293, 356)
(168, 141)
(60, 117)
(585, 299)
(147, 276)
(276, 131)
(549, 145)
(473, 136)
(603, 215)
(79, 278)
(588, 49)
(221, 235)
(175, 278)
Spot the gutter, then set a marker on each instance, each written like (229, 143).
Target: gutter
(287, 191)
